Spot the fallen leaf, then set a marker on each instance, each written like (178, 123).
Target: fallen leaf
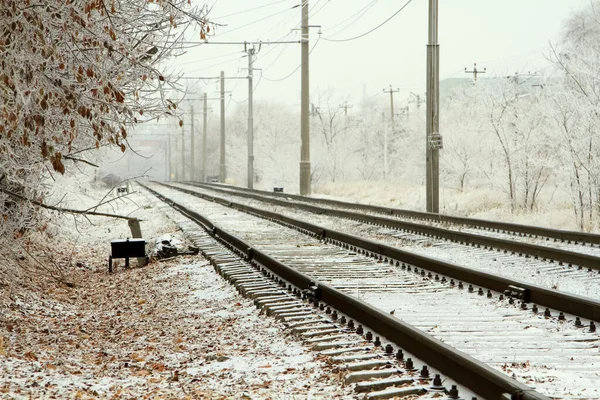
(143, 372)
(159, 367)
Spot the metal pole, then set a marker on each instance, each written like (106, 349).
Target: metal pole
(192, 152)
(166, 154)
(433, 85)
(305, 183)
(392, 108)
(250, 122)
(182, 153)
(385, 150)
(475, 71)
(391, 91)
(169, 160)
(175, 166)
(222, 169)
(204, 123)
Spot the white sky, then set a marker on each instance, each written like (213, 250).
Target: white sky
(503, 36)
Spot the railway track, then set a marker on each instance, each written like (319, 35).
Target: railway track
(510, 229)
(520, 260)
(466, 318)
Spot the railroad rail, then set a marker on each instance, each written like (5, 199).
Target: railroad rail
(519, 229)
(482, 379)
(551, 299)
(525, 249)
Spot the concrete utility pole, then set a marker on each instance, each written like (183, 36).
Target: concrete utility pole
(182, 178)
(174, 157)
(204, 127)
(391, 92)
(475, 71)
(222, 168)
(168, 162)
(250, 120)
(305, 183)
(192, 152)
(433, 137)
(385, 150)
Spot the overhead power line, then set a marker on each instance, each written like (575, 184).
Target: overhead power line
(357, 15)
(248, 10)
(296, 69)
(374, 29)
(286, 10)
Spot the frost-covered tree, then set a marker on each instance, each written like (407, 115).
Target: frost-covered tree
(576, 110)
(74, 76)
(276, 145)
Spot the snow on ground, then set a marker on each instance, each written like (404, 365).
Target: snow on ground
(172, 329)
(480, 203)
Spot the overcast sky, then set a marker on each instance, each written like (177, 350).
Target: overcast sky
(503, 36)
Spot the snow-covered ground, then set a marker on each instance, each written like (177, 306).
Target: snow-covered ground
(172, 329)
(484, 204)
(514, 341)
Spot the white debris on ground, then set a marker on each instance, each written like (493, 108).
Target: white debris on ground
(172, 329)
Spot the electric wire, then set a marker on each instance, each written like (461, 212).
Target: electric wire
(208, 59)
(286, 46)
(249, 10)
(372, 30)
(223, 62)
(359, 14)
(296, 69)
(253, 22)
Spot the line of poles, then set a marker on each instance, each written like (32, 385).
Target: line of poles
(433, 137)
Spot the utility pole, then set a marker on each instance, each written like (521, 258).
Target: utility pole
(391, 92)
(516, 79)
(385, 150)
(174, 157)
(182, 152)
(192, 153)
(222, 168)
(417, 100)
(250, 120)
(204, 127)
(168, 158)
(345, 106)
(305, 183)
(433, 140)
(475, 71)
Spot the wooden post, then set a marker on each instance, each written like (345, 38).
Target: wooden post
(136, 233)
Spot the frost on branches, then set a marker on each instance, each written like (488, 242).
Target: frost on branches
(74, 75)
(576, 109)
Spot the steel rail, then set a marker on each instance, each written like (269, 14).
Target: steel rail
(558, 234)
(569, 303)
(536, 251)
(477, 376)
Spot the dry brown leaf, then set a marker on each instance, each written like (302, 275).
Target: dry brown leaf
(159, 367)
(143, 372)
